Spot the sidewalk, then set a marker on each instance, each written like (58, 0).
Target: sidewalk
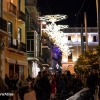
(29, 96)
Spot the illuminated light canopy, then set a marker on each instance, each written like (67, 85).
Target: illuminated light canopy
(54, 31)
(53, 18)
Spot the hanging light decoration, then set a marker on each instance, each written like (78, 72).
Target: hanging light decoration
(54, 31)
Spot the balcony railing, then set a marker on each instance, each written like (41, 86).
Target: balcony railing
(79, 43)
(12, 8)
(22, 47)
(12, 43)
(3, 24)
(21, 15)
(30, 2)
(31, 26)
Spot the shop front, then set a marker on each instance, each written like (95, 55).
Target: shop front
(16, 63)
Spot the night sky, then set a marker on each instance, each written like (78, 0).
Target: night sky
(73, 8)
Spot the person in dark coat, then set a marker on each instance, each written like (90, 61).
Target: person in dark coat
(14, 87)
(92, 82)
(45, 86)
(3, 89)
(7, 80)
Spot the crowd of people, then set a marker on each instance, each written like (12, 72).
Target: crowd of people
(47, 85)
(13, 85)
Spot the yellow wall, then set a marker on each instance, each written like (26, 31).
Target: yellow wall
(25, 71)
(7, 68)
(23, 6)
(16, 23)
(14, 19)
(15, 56)
(5, 3)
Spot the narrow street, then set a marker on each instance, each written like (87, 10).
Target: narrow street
(29, 96)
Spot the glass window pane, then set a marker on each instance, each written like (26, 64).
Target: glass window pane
(30, 37)
(94, 39)
(19, 34)
(9, 27)
(0, 8)
(21, 71)
(28, 45)
(32, 45)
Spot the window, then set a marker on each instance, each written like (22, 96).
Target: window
(30, 42)
(30, 45)
(94, 39)
(19, 3)
(19, 34)
(84, 38)
(21, 70)
(9, 27)
(69, 38)
(70, 56)
(10, 32)
(0, 8)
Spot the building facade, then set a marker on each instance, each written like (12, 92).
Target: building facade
(73, 38)
(14, 59)
(32, 37)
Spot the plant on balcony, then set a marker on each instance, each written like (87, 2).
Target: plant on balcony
(87, 61)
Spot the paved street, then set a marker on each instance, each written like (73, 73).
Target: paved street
(30, 96)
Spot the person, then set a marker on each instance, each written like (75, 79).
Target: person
(77, 83)
(7, 81)
(53, 87)
(98, 83)
(92, 82)
(45, 86)
(61, 85)
(3, 89)
(14, 87)
(22, 87)
(10, 83)
(37, 87)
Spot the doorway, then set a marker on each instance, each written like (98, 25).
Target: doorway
(11, 69)
(17, 69)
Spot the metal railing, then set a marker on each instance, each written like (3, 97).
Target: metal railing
(3, 24)
(12, 8)
(31, 26)
(79, 43)
(21, 15)
(22, 47)
(12, 43)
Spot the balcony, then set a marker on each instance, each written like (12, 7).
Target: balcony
(12, 8)
(21, 16)
(22, 47)
(31, 26)
(12, 44)
(30, 2)
(3, 27)
(79, 43)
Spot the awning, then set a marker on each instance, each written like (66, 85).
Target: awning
(19, 62)
(10, 60)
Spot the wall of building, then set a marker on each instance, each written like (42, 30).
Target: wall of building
(14, 55)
